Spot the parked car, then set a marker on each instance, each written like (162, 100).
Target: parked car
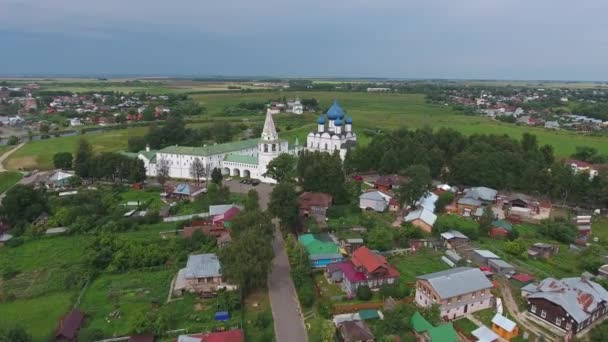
(357, 178)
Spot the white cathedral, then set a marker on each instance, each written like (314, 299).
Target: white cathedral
(250, 158)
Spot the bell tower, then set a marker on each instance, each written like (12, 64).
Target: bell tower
(269, 146)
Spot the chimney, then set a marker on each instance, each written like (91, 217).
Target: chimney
(147, 147)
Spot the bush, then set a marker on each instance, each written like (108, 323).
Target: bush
(364, 292)
(13, 140)
(324, 309)
(337, 211)
(9, 272)
(306, 295)
(14, 242)
(263, 319)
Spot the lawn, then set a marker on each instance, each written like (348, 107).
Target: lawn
(422, 262)
(258, 305)
(466, 324)
(8, 179)
(39, 154)
(390, 111)
(40, 315)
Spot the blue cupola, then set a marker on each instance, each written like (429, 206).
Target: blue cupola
(349, 120)
(338, 122)
(335, 112)
(321, 120)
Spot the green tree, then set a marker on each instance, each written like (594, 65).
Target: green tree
(364, 292)
(485, 221)
(136, 144)
(14, 334)
(418, 185)
(282, 168)
(216, 176)
(284, 204)
(23, 204)
(380, 238)
(83, 154)
(252, 200)
(12, 140)
(62, 160)
(443, 200)
(600, 333)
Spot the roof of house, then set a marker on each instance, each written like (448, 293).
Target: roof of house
(225, 336)
(486, 254)
(501, 263)
(353, 331)
(221, 208)
(390, 180)
(243, 159)
(70, 324)
(227, 215)
(316, 246)
(60, 175)
(203, 266)
(422, 214)
(427, 201)
(485, 334)
(369, 314)
(453, 234)
(504, 322)
(578, 295)
(441, 333)
(371, 261)
(419, 323)
(502, 224)
(186, 189)
(522, 277)
(315, 199)
(148, 154)
(481, 193)
(375, 195)
(469, 201)
(457, 281)
(212, 149)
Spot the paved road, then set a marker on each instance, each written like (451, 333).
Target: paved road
(263, 190)
(288, 322)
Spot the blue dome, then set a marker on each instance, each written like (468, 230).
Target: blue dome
(335, 112)
(338, 122)
(321, 120)
(349, 120)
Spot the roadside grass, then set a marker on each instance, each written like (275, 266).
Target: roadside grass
(258, 304)
(422, 262)
(39, 316)
(8, 179)
(600, 230)
(39, 154)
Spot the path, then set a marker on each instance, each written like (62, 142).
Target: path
(8, 154)
(288, 320)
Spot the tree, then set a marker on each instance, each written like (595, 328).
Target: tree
(62, 160)
(12, 140)
(284, 204)
(84, 152)
(443, 200)
(252, 201)
(364, 292)
(559, 230)
(380, 238)
(23, 204)
(197, 170)
(216, 176)
(136, 144)
(516, 247)
(418, 185)
(14, 334)
(452, 222)
(322, 172)
(485, 221)
(282, 168)
(162, 171)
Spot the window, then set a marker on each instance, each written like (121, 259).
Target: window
(274, 147)
(533, 308)
(265, 147)
(543, 313)
(558, 321)
(326, 146)
(568, 326)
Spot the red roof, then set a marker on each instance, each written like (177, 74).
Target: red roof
(315, 199)
(225, 336)
(226, 216)
(579, 163)
(522, 277)
(371, 261)
(70, 324)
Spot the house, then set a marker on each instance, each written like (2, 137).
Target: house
(457, 291)
(500, 266)
(202, 275)
(355, 331)
(579, 166)
(389, 182)
(454, 239)
(571, 304)
(422, 218)
(186, 191)
(235, 335)
(475, 198)
(542, 250)
(314, 204)
(69, 326)
(484, 334)
(583, 224)
(59, 179)
(374, 200)
(322, 249)
(483, 256)
(216, 231)
(504, 327)
(364, 268)
(426, 332)
(75, 122)
(501, 229)
(4, 238)
(518, 200)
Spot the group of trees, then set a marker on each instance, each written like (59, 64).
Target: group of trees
(495, 161)
(107, 166)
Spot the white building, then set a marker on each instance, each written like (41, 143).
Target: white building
(337, 136)
(245, 158)
(295, 107)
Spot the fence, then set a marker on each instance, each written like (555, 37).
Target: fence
(349, 308)
(185, 217)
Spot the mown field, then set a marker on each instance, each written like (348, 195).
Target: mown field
(8, 179)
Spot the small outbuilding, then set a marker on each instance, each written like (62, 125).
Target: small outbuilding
(483, 256)
(500, 266)
(504, 327)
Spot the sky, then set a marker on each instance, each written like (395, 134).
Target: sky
(463, 39)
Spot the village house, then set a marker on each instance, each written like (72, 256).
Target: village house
(364, 268)
(377, 200)
(579, 166)
(355, 331)
(504, 327)
(474, 199)
(500, 266)
(222, 214)
(571, 304)
(216, 231)
(59, 179)
(389, 182)
(542, 250)
(426, 332)
(185, 191)
(483, 256)
(422, 218)
(202, 275)
(314, 204)
(69, 326)
(501, 229)
(457, 291)
(322, 249)
(454, 239)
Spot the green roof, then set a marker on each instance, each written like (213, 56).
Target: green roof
(502, 224)
(315, 247)
(212, 149)
(443, 333)
(129, 154)
(148, 154)
(369, 314)
(238, 158)
(419, 323)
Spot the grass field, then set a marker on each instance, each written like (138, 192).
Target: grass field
(422, 262)
(39, 154)
(8, 179)
(39, 316)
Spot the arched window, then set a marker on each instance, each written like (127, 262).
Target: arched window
(265, 147)
(274, 147)
(326, 146)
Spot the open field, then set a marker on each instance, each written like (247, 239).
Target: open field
(8, 179)
(391, 111)
(422, 262)
(39, 154)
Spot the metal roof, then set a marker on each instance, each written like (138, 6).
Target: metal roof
(451, 234)
(203, 265)
(484, 334)
(422, 214)
(501, 263)
(457, 281)
(504, 322)
(243, 159)
(212, 149)
(484, 253)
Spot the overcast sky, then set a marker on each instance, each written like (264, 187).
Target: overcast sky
(504, 39)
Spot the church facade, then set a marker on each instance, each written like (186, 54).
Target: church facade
(334, 132)
(250, 158)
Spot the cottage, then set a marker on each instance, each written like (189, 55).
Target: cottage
(355, 331)
(457, 291)
(59, 179)
(501, 229)
(374, 200)
(422, 218)
(504, 327)
(314, 204)
(474, 198)
(501, 267)
(484, 334)
(202, 275)
(69, 326)
(571, 304)
(364, 268)
(426, 332)
(542, 250)
(186, 191)
(322, 249)
(389, 182)
(454, 239)
(483, 256)
(216, 231)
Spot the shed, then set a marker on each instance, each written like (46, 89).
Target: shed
(500, 228)
(369, 314)
(69, 326)
(504, 327)
(222, 316)
(482, 256)
(484, 334)
(500, 266)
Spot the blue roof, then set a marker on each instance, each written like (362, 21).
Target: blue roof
(338, 122)
(321, 120)
(349, 120)
(335, 111)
